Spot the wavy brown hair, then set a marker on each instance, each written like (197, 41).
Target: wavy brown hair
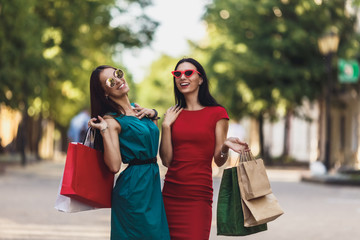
(100, 105)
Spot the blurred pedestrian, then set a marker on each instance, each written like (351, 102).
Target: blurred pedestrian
(193, 133)
(78, 126)
(129, 134)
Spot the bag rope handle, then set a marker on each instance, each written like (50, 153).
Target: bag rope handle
(89, 139)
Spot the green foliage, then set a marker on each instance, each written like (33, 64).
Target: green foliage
(20, 53)
(265, 54)
(49, 48)
(157, 89)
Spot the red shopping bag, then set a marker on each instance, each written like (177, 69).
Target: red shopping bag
(86, 177)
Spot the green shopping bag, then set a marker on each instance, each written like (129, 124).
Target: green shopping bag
(230, 217)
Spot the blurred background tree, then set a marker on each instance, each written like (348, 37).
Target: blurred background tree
(48, 50)
(261, 58)
(157, 88)
(265, 57)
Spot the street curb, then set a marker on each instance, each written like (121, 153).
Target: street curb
(338, 179)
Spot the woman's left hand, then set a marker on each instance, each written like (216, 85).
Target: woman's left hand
(143, 112)
(235, 144)
(98, 123)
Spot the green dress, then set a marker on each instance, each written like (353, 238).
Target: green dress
(137, 210)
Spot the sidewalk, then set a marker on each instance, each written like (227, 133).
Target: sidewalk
(14, 160)
(54, 169)
(275, 173)
(28, 195)
(334, 178)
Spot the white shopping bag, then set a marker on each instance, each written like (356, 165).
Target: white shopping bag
(68, 205)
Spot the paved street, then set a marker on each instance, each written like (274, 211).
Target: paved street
(312, 211)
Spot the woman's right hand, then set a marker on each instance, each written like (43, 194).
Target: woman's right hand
(100, 125)
(171, 115)
(236, 145)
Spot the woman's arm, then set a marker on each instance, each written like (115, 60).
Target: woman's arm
(109, 129)
(166, 151)
(222, 143)
(166, 148)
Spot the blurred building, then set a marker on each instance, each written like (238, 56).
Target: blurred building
(303, 134)
(307, 133)
(9, 124)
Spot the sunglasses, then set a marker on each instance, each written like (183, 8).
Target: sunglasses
(188, 73)
(110, 82)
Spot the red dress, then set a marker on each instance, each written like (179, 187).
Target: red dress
(188, 191)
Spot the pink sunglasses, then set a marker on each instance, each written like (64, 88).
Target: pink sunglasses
(188, 73)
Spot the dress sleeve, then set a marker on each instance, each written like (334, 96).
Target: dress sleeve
(221, 114)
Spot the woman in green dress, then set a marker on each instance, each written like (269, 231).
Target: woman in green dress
(127, 133)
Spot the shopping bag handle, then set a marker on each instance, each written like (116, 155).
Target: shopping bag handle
(89, 139)
(241, 158)
(245, 156)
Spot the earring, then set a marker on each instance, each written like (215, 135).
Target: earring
(107, 97)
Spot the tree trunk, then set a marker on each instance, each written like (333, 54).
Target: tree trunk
(21, 138)
(286, 151)
(38, 137)
(64, 138)
(264, 151)
(261, 135)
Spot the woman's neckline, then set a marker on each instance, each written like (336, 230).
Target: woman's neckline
(132, 105)
(195, 110)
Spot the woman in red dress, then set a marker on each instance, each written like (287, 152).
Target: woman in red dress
(193, 133)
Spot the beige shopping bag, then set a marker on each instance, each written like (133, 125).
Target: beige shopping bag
(261, 210)
(258, 210)
(253, 176)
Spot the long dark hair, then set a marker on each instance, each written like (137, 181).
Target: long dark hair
(204, 96)
(100, 105)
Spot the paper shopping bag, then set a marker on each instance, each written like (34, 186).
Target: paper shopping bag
(253, 176)
(86, 178)
(230, 217)
(259, 210)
